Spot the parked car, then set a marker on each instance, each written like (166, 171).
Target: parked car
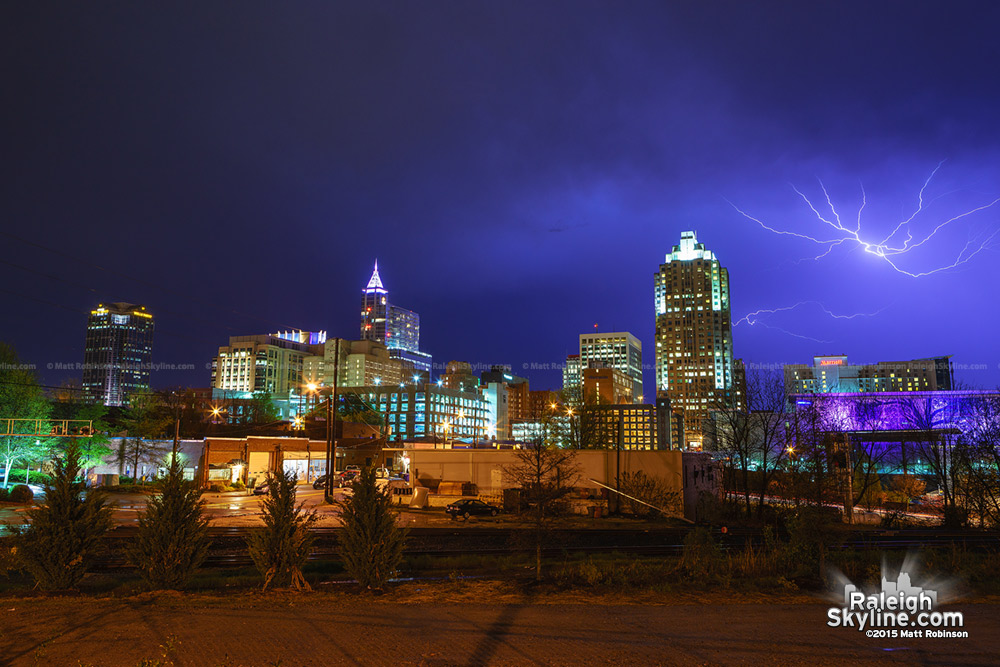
(340, 481)
(261, 490)
(471, 507)
(345, 478)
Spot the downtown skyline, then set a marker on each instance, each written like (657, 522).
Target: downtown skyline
(525, 191)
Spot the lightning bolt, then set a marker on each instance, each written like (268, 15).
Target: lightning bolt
(899, 241)
(754, 318)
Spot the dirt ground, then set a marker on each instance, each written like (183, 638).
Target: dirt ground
(461, 623)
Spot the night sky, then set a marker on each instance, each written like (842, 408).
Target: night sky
(519, 169)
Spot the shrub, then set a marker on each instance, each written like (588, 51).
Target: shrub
(173, 533)
(811, 532)
(653, 491)
(370, 543)
(238, 485)
(280, 549)
(701, 553)
(8, 556)
(218, 487)
(21, 494)
(4, 494)
(62, 536)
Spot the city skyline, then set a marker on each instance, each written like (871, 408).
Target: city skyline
(508, 220)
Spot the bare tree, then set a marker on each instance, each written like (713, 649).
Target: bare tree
(750, 430)
(980, 461)
(545, 475)
(936, 442)
(765, 398)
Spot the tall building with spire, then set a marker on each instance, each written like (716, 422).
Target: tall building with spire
(374, 308)
(694, 339)
(397, 328)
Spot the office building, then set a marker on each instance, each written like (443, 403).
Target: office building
(606, 386)
(619, 350)
(428, 412)
(694, 342)
(624, 426)
(458, 375)
(117, 353)
(266, 363)
(366, 363)
(517, 387)
(395, 327)
(832, 374)
(571, 372)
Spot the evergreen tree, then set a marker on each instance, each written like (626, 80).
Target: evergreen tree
(173, 532)
(370, 543)
(281, 548)
(62, 536)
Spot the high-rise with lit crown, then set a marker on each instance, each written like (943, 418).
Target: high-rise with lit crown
(397, 328)
(694, 340)
(117, 353)
(374, 309)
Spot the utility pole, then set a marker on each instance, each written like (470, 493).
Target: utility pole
(618, 464)
(177, 428)
(331, 435)
(328, 488)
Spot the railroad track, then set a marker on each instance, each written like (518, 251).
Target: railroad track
(229, 546)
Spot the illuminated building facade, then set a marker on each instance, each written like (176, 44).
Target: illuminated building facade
(571, 372)
(896, 430)
(458, 375)
(429, 412)
(397, 328)
(832, 374)
(117, 353)
(369, 363)
(619, 350)
(694, 342)
(267, 363)
(626, 426)
(606, 386)
(517, 390)
(374, 308)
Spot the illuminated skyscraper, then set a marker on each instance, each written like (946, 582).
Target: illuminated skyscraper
(694, 340)
(397, 328)
(374, 309)
(118, 352)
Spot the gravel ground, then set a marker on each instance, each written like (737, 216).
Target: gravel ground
(458, 625)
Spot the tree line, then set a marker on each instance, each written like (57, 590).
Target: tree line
(866, 451)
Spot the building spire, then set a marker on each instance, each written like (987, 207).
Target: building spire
(375, 282)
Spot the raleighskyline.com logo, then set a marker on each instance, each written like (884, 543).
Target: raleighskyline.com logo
(898, 610)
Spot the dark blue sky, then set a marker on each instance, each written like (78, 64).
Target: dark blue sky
(518, 168)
